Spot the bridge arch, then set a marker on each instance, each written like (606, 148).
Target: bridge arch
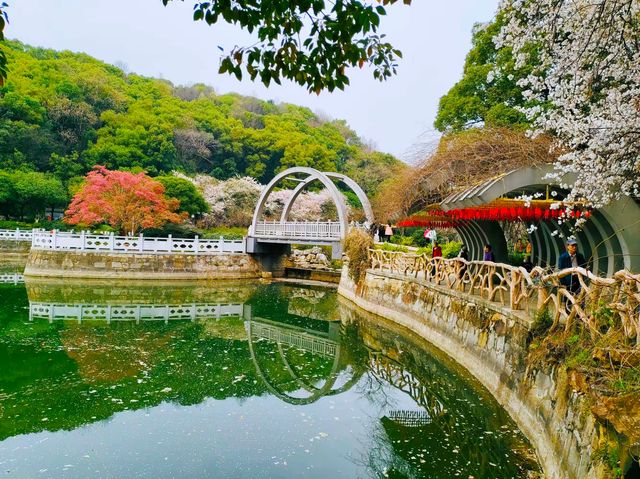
(313, 175)
(353, 186)
(269, 236)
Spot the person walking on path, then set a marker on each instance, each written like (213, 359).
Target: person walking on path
(388, 232)
(463, 254)
(488, 253)
(571, 259)
(437, 250)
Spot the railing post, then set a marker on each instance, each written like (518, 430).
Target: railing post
(53, 239)
(170, 242)
(17, 234)
(196, 244)
(112, 241)
(82, 240)
(221, 245)
(141, 242)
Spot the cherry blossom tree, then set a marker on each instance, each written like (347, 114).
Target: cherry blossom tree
(584, 87)
(126, 201)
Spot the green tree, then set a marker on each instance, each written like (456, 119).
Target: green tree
(34, 193)
(184, 191)
(488, 92)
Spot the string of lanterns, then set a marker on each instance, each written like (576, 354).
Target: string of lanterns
(501, 210)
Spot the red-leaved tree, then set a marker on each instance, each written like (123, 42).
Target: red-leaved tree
(127, 201)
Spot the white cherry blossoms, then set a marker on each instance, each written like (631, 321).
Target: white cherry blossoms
(584, 89)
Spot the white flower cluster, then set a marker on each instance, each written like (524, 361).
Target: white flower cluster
(586, 55)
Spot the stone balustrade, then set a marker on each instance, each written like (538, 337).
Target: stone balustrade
(85, 242)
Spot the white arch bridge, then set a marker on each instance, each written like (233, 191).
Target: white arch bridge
(263, 235)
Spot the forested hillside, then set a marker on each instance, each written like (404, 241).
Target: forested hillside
(62, 112)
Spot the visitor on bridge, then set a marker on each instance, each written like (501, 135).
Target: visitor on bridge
(527, 264)
(488, 253)
(571, 259)
(437, 250)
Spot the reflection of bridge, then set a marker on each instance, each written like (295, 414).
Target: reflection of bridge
(318, 343)
(262, 233)
(314, 342)
(128, 312)
(12, 278)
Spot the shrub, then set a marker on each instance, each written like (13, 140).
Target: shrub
(356, 247)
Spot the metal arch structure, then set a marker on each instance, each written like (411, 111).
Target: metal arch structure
(268, 237)
(311, 173)
(353, 186)
(609, 238)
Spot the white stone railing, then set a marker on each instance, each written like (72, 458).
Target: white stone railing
(329, 230)
(599, 303)
(66, 241)
(131, 312)
(11, 278)
(16, 235)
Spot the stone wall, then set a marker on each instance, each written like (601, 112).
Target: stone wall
(491, 343)
(313, 258)
(98, 265)
(14, 252)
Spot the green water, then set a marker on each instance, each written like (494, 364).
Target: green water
(233, 380)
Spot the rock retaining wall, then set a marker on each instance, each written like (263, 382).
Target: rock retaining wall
(491, 343)
(97, 265)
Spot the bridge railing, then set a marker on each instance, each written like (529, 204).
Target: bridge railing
(70, 241)
(16, 235)
(616, 299)
(131, 312)
(298, 229)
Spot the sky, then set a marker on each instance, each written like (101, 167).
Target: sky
(395, 116)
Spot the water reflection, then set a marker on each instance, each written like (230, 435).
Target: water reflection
(293, 359)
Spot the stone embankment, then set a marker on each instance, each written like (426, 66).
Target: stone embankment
(14, 251)
(490, 341)
(98, 265)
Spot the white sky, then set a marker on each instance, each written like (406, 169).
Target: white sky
(152, 40)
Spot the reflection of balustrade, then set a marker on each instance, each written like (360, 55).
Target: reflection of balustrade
(410, 418)
(311, 341)
(11, 278)
(129, 312)
(16, 235)
(518, 289)
(66, 241)
(394, 373)
(330, 230)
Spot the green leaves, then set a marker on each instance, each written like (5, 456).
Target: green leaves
(310, 42)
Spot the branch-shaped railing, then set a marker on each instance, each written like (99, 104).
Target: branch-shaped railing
(569, 295)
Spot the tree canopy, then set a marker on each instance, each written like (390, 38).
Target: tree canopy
(312, 42)
(126, 201)
(61, 113)
(481, 97)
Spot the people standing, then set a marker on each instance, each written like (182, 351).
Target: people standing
(436, 252)
(463, 254)
(488, 253)
(388, 232)
(519, 247)
(571, 258)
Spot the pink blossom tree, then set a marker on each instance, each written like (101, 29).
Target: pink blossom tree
(126, 201)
